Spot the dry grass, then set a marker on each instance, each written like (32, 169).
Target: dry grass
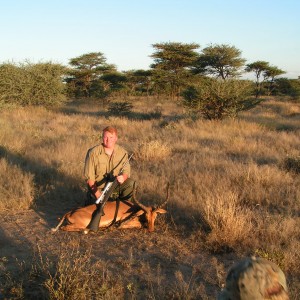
(76, 276)
(229, 222)
(152, 151)
(232, 187)
(17, 190)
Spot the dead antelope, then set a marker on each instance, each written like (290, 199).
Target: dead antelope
(124, 213)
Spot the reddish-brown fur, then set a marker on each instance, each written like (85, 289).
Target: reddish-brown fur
(129, 215)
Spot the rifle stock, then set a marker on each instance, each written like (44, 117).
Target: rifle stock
(99, 212)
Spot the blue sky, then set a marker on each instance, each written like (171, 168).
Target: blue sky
(124, 31)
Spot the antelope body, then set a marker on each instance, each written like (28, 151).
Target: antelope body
(127, 215)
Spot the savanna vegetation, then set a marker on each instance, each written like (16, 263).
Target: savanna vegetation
(177, 70)
(228, 147)
(234, 192)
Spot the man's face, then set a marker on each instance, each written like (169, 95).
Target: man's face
(109, 140)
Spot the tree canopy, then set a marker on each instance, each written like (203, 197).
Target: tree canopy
(222, 61)
(86, 69)
(172, 64)
(176, 66)
(139, 81)
(258, 67)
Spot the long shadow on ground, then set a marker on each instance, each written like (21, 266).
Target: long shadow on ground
(136, 256)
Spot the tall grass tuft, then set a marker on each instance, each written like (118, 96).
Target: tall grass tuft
(17, 190)
(152, 151)
(230, 223)
(292, 164)
(76, 276)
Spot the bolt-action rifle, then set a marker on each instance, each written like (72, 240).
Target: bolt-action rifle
(110, 186)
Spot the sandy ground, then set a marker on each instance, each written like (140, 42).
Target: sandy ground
(127, 252)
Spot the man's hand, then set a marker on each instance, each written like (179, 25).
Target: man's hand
(98, 194)
(94, 189)
(122, 178)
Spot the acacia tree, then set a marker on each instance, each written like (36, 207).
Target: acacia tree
(258, 67)
(172, 63)
(269, 76)
(289, 87)
(139, 81)
(86, 69)
(114, 82)
(222, 61)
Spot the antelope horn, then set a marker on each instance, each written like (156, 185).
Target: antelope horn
(142, 206)
(167, 198)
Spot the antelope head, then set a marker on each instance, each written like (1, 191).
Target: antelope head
(151, 212)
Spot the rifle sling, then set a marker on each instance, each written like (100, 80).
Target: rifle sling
(116, 213)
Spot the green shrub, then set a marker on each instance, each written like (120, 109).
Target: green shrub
(288, 87)
(217, 99)
(98, 90)
(120, 108)
(292, 164)
(31, 84)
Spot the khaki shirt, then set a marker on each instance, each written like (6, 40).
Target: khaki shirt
(98, 164)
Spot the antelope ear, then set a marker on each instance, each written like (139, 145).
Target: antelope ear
(161, 211)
